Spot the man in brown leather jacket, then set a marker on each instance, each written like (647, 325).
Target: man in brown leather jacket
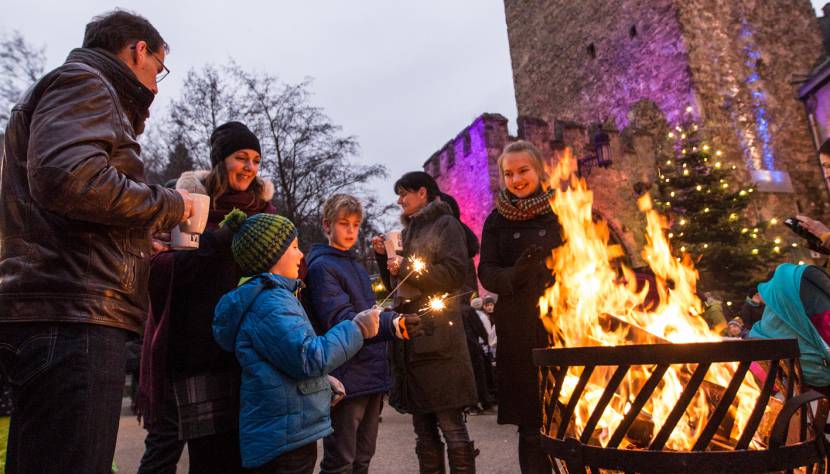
(75, 223)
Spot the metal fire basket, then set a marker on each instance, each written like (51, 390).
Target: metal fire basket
(791, 441)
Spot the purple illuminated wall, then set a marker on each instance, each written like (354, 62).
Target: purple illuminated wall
(466, 168)
(735, 62)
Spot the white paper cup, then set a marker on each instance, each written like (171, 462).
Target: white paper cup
(393, 243)
(185, 236)
(183, 240)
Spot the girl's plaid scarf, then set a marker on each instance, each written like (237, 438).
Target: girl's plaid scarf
(515, 209)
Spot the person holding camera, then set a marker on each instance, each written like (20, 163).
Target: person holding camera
(517, 238)
(817, 229)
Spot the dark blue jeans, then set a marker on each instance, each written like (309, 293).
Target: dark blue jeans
(67, 384)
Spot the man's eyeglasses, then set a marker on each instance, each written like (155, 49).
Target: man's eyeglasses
(164, 71)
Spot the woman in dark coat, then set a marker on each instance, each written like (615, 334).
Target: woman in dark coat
(205, 379)
(517, 238)
(473, 327)
(432, 376)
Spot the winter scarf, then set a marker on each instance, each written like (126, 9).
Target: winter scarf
(515, 209)
(134, 96)
(242, 200)
(153, 369)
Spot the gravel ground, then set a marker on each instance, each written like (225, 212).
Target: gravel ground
(395, 450)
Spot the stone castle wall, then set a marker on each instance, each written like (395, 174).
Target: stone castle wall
(590, 60)
(746, 58)
(466, 168)
(733, 62)
(470, 172)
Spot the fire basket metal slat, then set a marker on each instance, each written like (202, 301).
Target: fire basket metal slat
(638, 405)
(758, 411)
(636, 444)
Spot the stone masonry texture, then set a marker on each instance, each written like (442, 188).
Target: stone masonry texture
(734, 62)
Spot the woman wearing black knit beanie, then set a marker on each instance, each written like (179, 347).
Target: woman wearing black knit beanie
(189, 386)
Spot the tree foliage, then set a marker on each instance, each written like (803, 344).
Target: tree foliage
(21, 65)
(709, 216)
(304, 153)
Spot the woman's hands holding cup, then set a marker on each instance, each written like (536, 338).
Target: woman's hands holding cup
(393, 264)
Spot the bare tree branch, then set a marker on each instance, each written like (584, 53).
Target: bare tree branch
(21, 65)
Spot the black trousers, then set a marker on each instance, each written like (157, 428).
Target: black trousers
(218, 453)
(532, 458)
(162, 446)
(299, 461)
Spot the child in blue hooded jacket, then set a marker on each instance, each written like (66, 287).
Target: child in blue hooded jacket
(338, 289)
(285, 391)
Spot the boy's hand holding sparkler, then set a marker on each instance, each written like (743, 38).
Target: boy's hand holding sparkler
(409, 326)
(368, 321)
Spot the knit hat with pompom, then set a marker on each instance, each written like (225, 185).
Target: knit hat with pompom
(259, 241)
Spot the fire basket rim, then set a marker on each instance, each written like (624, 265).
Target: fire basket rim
(738, 350)
(645, 460)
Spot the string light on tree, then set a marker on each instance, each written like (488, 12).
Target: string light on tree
(706, 206)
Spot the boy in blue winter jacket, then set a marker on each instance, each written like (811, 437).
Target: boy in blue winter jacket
(285, 391)
(338, 289)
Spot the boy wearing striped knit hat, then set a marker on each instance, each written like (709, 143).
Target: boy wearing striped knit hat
(286, 392)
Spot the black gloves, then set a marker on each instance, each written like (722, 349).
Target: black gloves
(532, 256)
(413, 325)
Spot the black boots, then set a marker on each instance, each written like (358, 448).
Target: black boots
(430, 457)
(532, 458)
(462, 458)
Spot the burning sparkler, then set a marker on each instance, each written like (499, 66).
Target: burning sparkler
(436, 304)
(417, 265)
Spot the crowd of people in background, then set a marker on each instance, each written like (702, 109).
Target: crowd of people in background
(253, 351)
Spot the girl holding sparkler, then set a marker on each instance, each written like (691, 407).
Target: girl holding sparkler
(517, 238)
(432, 376)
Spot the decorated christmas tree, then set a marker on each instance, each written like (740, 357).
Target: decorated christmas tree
(709, 219)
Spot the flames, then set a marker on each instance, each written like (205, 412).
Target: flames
(596, 301)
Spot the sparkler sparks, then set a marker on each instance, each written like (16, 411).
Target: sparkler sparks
(417, 265)
(437, 303)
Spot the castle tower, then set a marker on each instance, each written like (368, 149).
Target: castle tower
(733, 61)
(466, 167)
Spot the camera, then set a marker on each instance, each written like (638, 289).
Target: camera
(813, 241)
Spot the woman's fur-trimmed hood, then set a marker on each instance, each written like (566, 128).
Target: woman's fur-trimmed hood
(433, 210)
(194, 182)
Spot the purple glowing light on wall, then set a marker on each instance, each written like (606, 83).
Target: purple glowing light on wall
(759, 101)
